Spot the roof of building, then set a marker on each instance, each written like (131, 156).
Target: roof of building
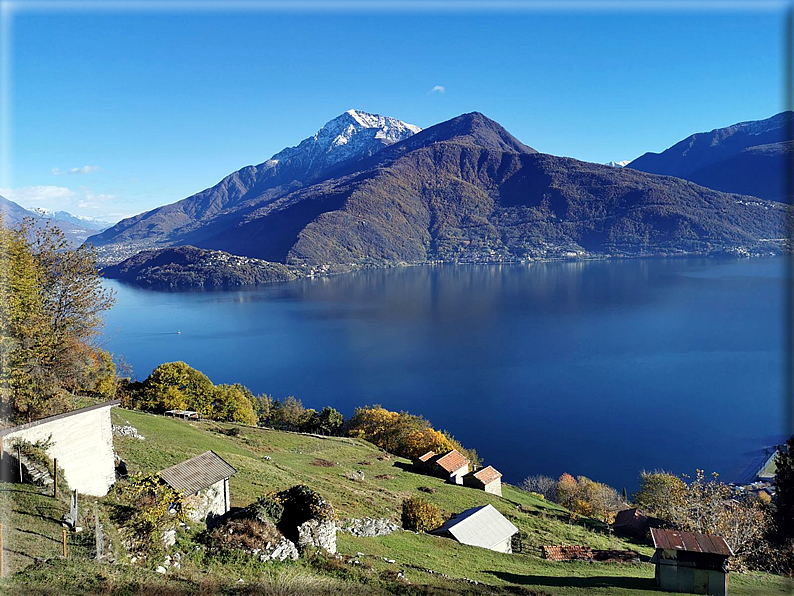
(452, 461)
(197, 473)
(13, 429)
(690, 542)
(487, 474)
(182, 412)
(480, 526)
(426, 456)
(630, 517)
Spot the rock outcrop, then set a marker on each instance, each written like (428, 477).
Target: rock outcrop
(369, 527)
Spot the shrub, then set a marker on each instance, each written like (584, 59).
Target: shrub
(266, 508)
(244, 534)
(420, 515)
(301, 503)
(154, 506)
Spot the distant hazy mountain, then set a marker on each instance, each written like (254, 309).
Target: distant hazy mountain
(89, 223)
(466, 190)
(350, 136)
(747, 158)
(75, 229)
(618, 164)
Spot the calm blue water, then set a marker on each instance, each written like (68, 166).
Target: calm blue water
(601, 369)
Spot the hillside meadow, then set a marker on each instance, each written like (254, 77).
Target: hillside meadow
(269, 460)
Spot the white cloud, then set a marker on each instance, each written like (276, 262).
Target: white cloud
(81, 201)
(83, 170)
(33, 194)
(438, 89)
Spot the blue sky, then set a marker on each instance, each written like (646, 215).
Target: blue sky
(151, 107)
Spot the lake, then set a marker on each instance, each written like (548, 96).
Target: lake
(599, 368)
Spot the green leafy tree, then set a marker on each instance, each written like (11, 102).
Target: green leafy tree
(163, 388)
(262, 406)
(287, 414)
(50, 315)
(331, 421)
(232, 404)
(661, 494)
(310, 422)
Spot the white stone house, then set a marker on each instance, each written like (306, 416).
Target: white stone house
(81, 441)
(204, 482)
(452, 466)
(488, 479)
(480, 526)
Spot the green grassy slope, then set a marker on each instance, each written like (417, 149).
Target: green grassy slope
(431, 564)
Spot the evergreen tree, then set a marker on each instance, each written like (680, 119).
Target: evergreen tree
(784, 491)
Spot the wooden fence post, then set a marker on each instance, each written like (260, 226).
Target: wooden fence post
(19, 460)
(64, 542)
(55, 475)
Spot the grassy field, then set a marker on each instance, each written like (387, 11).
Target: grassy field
(269, 460)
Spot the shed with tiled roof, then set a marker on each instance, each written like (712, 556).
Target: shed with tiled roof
(690, 562)
(452, 466)
(421, 462)
(488, 479)
(204, 482)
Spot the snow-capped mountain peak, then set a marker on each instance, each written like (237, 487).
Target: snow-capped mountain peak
(83, 221)
(618, 164)
(351, 135)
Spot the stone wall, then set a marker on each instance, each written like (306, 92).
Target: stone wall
(209, 504)
(82, 441)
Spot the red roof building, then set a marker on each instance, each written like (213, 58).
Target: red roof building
(488, 479)
(452, 466)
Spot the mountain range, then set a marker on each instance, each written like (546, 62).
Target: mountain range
(746, 158)
(76, 228)
(373, 191)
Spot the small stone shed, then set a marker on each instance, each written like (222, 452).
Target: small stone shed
(488, 479)
(480, 526)
(452, 466)
(204, 481)
(690, 563)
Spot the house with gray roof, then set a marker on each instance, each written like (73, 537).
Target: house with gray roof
(204, 482)
(480, 526)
